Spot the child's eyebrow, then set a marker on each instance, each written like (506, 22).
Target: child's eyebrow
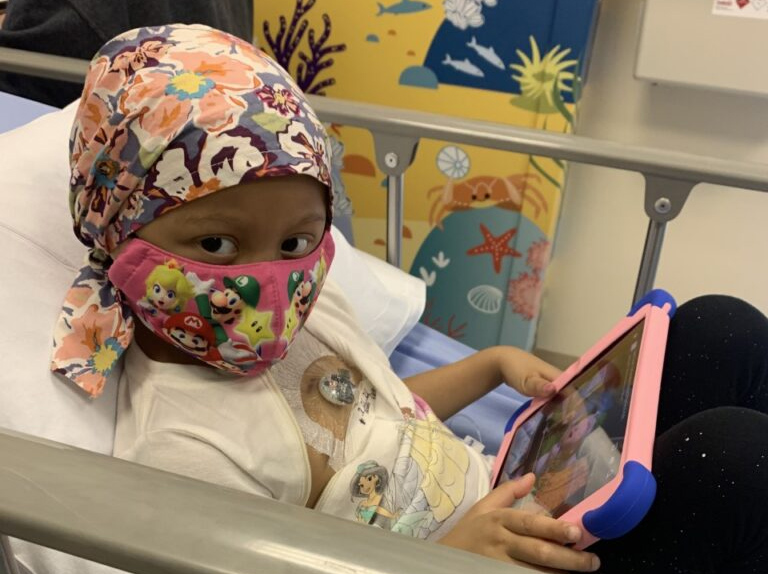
(225, 218)
(229, 218)
(312, 218)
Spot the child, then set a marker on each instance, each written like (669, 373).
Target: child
(193, 150)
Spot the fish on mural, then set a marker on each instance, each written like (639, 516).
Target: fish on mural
(464, 66)
(403, 7)
(487, 53)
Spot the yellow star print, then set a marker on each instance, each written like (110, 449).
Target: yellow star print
(291, 322)
(256, 326)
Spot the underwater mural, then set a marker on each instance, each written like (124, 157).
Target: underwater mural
(479, 223)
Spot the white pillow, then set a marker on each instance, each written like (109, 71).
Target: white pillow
(388, 302)
(40, 257)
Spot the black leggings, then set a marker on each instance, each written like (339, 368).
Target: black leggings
(711, 455)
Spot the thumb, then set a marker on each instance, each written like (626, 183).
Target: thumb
(505, 495)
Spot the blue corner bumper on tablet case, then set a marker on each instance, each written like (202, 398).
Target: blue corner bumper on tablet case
(657, 298)
(516, 414)
(628, 505)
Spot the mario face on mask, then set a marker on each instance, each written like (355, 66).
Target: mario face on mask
(191, 333)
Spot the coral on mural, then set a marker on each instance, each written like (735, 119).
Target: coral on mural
(464, 13)
(524, 292)
(524, 295)
(538, 256)
(451, 329)
(286, 41)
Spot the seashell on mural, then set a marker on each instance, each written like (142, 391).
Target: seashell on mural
(486, 299)
(453, 162)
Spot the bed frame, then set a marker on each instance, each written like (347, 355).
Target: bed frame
(76, 512)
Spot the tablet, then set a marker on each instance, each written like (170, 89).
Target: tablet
(590, 445)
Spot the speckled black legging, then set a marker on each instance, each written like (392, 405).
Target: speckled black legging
(711, 456)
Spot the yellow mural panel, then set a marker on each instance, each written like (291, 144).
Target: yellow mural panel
(491, 60)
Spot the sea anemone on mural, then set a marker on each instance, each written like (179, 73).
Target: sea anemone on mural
(541, 78)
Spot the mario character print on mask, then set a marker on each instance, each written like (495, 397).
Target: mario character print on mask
(168, 290)
(251, 306)
(193, 334)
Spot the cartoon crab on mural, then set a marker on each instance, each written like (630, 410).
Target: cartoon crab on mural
(509, 192)
(479, 192)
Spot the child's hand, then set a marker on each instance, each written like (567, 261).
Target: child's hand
(493, 529)
(526, 373)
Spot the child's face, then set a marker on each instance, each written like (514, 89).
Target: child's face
(266, 220)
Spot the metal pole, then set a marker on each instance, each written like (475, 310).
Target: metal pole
(43, 65)
(665, 198)
(9, 565)
(395, 185)
(139, 519)
(394, 155)
(413, 125)
(650, 261)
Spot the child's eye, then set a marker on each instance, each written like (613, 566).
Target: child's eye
(218, 245)
(294, 246)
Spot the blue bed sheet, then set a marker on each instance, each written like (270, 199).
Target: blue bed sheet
(16, 111)
(423, 349)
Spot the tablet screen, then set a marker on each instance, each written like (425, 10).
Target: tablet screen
(573, 443)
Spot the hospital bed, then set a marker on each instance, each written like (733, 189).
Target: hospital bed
(173, 524)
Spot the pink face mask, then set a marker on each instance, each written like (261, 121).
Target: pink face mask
(238, 318)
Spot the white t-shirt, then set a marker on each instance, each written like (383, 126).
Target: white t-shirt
(244, 434)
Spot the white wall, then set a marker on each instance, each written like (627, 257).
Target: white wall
(717, 245)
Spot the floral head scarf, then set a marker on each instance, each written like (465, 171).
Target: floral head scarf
(168, 115)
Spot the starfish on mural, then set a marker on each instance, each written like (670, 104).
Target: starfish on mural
(496, 247)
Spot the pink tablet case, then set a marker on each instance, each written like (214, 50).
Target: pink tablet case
(619, 505)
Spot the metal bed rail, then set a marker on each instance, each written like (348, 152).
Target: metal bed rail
(147, 521)
(669, 175)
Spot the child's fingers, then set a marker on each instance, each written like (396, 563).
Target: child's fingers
(547, 371)
(539, 526)
(505, 495)
(537, 386)
(550, 554)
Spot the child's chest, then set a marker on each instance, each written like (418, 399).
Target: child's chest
(330, 395)
(331, 403)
